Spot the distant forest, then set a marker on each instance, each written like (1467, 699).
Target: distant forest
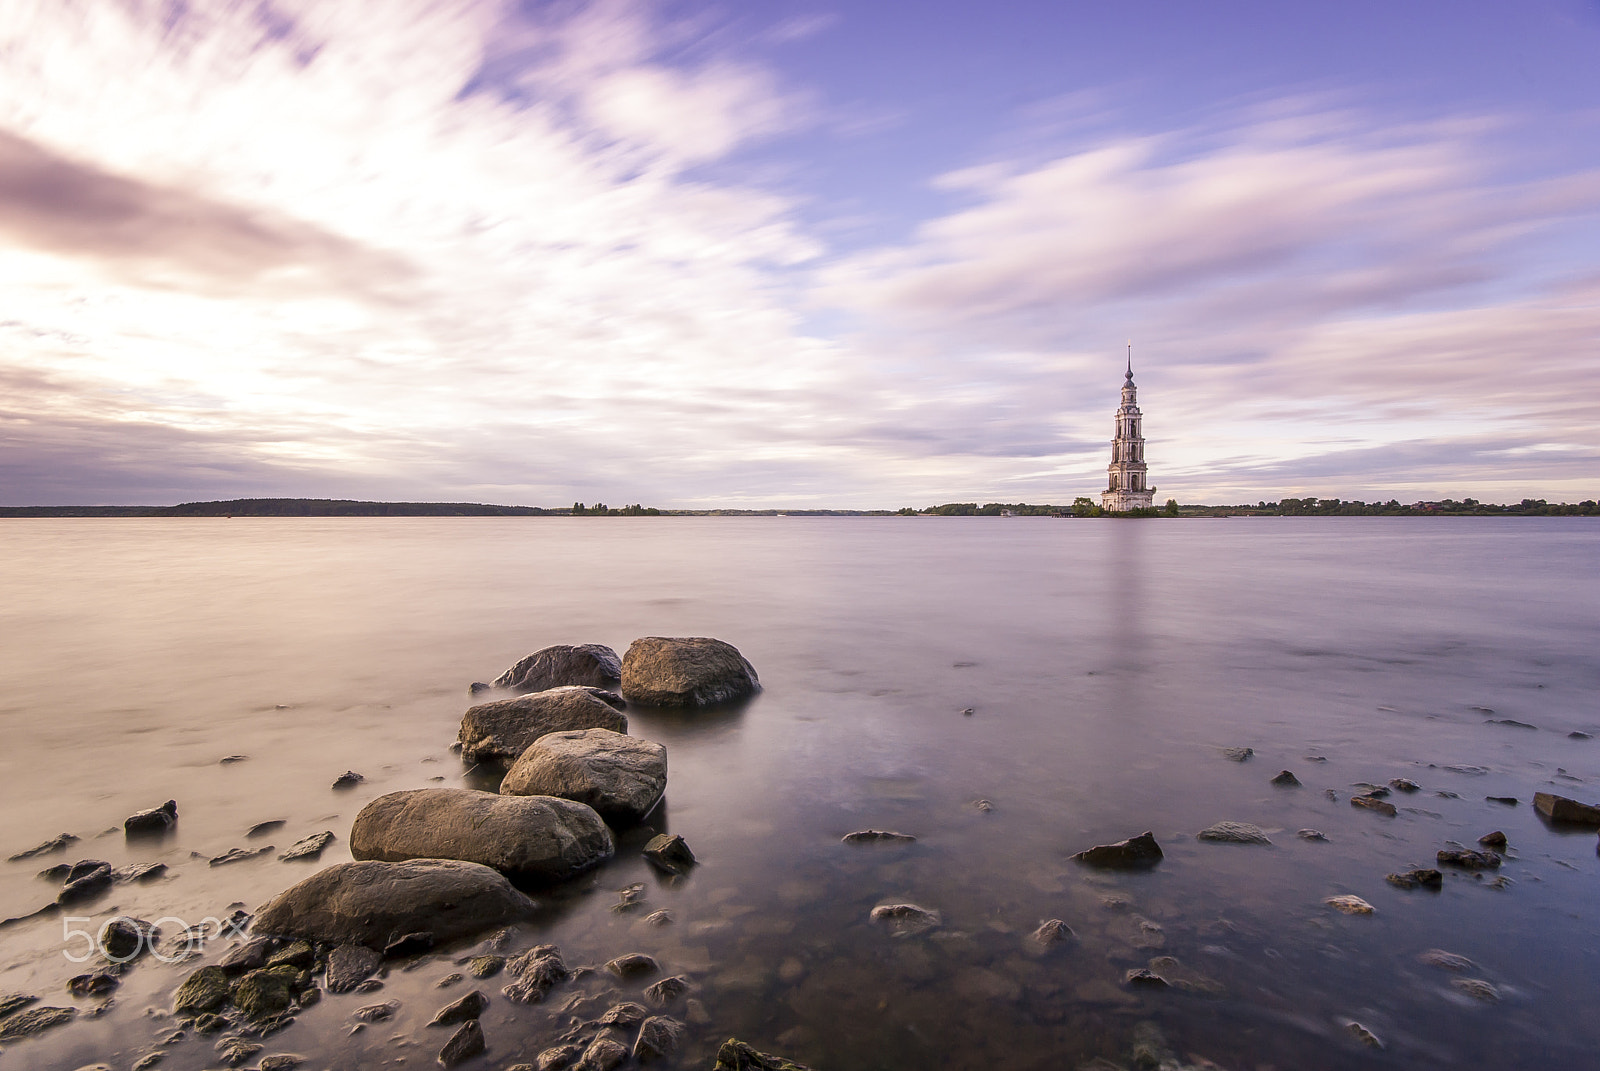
(1082, 507)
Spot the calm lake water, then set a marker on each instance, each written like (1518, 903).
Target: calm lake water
(1107, 664)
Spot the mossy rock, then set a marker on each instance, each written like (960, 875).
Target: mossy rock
(299, 955)
(204, 990)
(267, 992)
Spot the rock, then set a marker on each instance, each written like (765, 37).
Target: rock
(1135, 853)
(448, 980)
(603, 1053)
(250, 956)
(1404, 784)
(1311, 834)
(1237, 754)
(1438, 957)
(689, 671)
(621, 777)
(625, 1014)
(10, 1002)
(261, 829)
(1233, 833)
(982, 806)
(409, 944)
(239, 855)
(470, 1006)
(905, 919)
(283, 1061)
(309, 847)
(664, 992)
(659, 918)
(152, 1059)
(1143, 978)
(299, 955)
(485, 966)
(1511, 722)
(83, 868)
(499, 732)
(1496, 839)
(1509, 801)
(33, 1021)
(229, 760)
(632, 965)
(1350, 905)
(140, 872)
(1561, 809)
(87, 886)
(369, 903)
(1411, 879)
(1373, 803)
(877, 836)
(57, 843)
(1362, 1034)
(1185, 979)
(264, 993)
(1150, 1050)
(154, 822)
(463, 1045)
(97, 984)
(532, 838)
(537, 971)
(376, 1013)
(1051, 932)
(123, 938)
(557, 1057)
(659, 1037)
(591, 664)
(735, 1055)
(347, 780)
(1286, 779)
(669, 852)
(204, 990)
(350, 965)
(1579, 735)
(235, 1051)
(1468, 859)
(57, 873)
(1477, 989)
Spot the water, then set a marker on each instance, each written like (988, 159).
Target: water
(1107, 663)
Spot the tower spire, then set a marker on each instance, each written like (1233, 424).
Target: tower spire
(1130, 358)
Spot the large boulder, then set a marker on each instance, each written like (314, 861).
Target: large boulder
(531, 838)
(591, 664)
(686, 671)
(502, 730)
(370, 903)
(622, 777)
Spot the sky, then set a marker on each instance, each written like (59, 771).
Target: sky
(790, 254)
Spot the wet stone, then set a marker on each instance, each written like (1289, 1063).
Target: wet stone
(348, 779)
(1350, 905)
(557, 1057)
(154, 822)
(669, 852)
(632, 965)
(877, 836)
(664, 992)
(485, 966)
(1373, 803)
(57, 843)
(1051, 932)
(1561, 809)
(204, 990)
(1233, 833)
(1311, 834)
(904, 920)
(735, 1055)
(350, 965)
(283, 1061)
(463, 1045)
(249, 956)
(470, 1006)
(1237, 754)
(97, 984)
(1477, 989)
(235, 1051)
(375, 1013)
(625, 1014)
(32, 1021)
(1496, 839)
(1410, 879)
(1135, 853)
(1143, 978)
(1404, 784)
(1468, 859)
(448, 980)
(1362, 1035)
(1286, 779)
(261, 829)
(659, 918)
(659, 1038)
(299, 955)
(1509, 801)
(1449, 961)
(308, 847)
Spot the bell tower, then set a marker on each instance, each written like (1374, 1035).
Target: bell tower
(1128, 486)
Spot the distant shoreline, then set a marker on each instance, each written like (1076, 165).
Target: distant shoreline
(322, 507)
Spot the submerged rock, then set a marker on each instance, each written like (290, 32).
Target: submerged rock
(620, 776)
(1286, 779)
(261, 829)
(1477, 989)
(1468, 859)
(348, 779)
(1561, 809)
(590, 664)
(1509, 801)
(686, 671)
(1233, 833)
(1311, 834)
(1496, 839)
(876, 836)
(1373, 803)
(369, 903)
(905, 919)
(499, 732)
(536, 838)
(87, 885)
(24, 1024)
(154, 822)
(735, 1055)
(1362, 1034)
(1143, 978)
(1051, 932)
(632, 965)
(350, 965)
(1350, 905)
(204, 990)
(1238, 754)
(1404, 784)
(1135, 853)
(1411, 879)
(471, 1006)
(309, 847)
(57, 843)
(537, 971)
(662, 993)
(1438, 957)
(239, 855)
(659, 1037)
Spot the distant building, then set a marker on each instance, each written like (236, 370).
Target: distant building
(1128, 488)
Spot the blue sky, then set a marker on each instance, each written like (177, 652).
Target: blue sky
(793, 254)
